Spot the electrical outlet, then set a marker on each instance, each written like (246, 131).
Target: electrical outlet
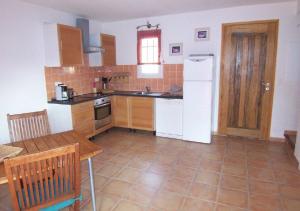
(96, 79)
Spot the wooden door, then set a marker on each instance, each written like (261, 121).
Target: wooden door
(247, 78)
(120, 109)
(108, 42)
(142, 113)
(70, 45)
(83, 118)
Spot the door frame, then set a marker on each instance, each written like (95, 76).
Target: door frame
(266, 122)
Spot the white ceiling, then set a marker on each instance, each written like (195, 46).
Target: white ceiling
(113, 10)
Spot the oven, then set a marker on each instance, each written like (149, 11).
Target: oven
(102, 108)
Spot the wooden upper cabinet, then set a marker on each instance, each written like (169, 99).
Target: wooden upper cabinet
(120, 110)
(83, 118)
(70, 45)
(108, 42)
(142, 113)
(63, 45)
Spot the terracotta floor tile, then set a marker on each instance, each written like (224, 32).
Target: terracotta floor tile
(3, 190)
(104, 202)
(236, 160)
(183, 176)
(128, 206)
(167, 200)
(288, 178)
(99, 182)
(290, 192)
(233, 198)
(176, 185)
(128, 174)
(291, 204)
(139, 164)
(217, 156)
(260, 202)
(190, 163)
(210, 165)
(207, 177)
(221, 207)
(116, 187)
(166, 159)
(162, 169)
(259, 164)
(203, 191)
(140, 194)
(262, 174)
(109, 169)
(263, 187)
(197, 205)
(235, 170)
(150, 179)
(183, 172)
(120, 159)
(233, 182)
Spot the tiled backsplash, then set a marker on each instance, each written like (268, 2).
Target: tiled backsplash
(81, 78)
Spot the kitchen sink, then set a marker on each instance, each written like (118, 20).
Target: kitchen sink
(149, 93)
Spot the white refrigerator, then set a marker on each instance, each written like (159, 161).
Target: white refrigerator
(198, 98)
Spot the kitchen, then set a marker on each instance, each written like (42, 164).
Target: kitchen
(130, 108)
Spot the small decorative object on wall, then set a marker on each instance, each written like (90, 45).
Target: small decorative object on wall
(175, 49)
(202, 34)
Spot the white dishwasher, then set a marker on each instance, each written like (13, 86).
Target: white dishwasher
(168, 117)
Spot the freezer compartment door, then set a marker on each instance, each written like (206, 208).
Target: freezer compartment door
(197, 108)
(200, 69)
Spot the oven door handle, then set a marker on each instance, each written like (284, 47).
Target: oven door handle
(102, 105)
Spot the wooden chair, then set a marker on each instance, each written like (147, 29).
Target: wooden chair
(48, 180)
(28, 125)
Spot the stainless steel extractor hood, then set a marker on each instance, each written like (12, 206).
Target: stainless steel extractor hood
(83, 24)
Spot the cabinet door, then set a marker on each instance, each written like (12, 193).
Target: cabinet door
(83, 118)
(70, 45)
(108, 42)
(120, 111)
(169, 113)
(141, 112)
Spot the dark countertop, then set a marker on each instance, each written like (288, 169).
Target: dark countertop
(91, 96)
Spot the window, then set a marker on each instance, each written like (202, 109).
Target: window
(148, 54)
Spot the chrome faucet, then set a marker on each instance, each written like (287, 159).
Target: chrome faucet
(148, 89)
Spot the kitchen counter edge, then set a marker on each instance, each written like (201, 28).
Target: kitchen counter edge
(123, 93)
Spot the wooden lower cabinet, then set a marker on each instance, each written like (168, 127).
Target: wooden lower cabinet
(120, 110)
(83, 118)
(142, 113)
(133, 112)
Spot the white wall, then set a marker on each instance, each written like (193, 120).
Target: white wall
(22, 83)
(180, 28)
(297, 147)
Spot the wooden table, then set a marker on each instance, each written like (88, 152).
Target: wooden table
(87, 150)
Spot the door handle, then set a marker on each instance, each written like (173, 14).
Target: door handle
(266, 86)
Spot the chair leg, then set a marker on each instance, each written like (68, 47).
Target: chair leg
(77, 206)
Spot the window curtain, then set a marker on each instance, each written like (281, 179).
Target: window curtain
(147, 34)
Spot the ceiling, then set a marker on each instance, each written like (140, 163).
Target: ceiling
(114, 10)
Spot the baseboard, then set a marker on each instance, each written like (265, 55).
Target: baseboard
(277, 139)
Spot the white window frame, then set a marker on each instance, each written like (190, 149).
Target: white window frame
(141, 74)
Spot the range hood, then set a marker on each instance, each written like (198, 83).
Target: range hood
(83, 24)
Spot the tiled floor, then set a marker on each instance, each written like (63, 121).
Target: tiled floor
(138, 171)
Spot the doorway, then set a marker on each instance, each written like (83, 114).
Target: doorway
(247, 76)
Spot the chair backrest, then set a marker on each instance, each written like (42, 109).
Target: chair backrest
(42, 179)
(28, 125)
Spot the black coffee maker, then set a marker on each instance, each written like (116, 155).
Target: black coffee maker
(105, 82)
